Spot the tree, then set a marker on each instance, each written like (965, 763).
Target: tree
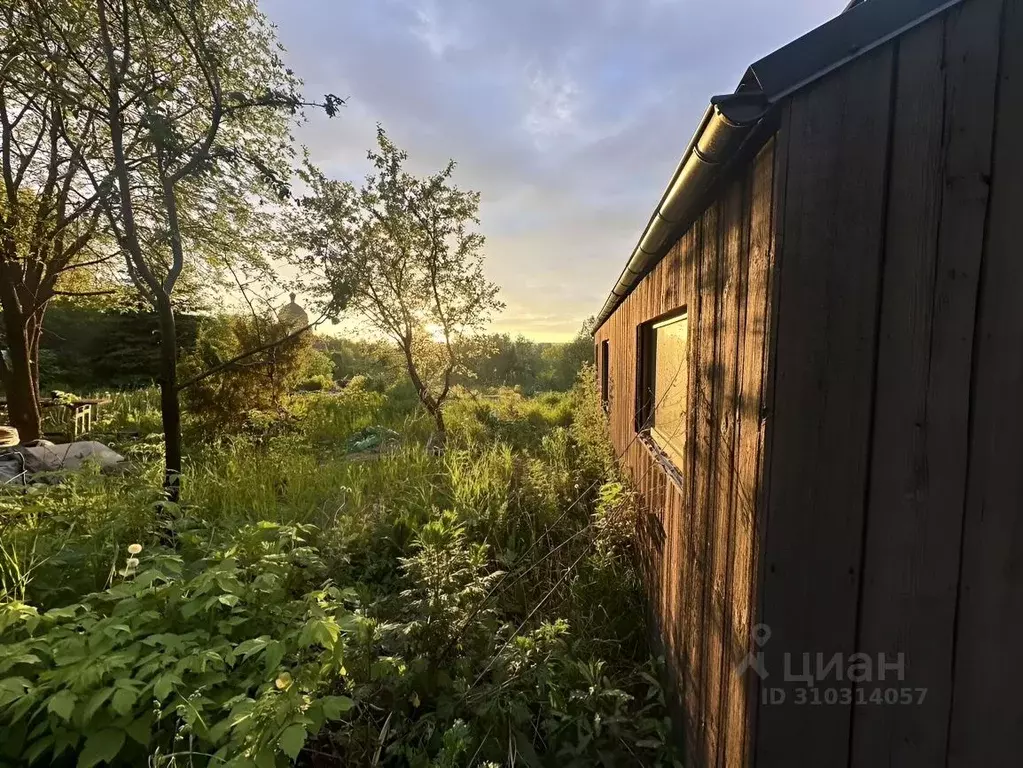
(51, 243)
(259, 382)
(194, 105)
(403, 252)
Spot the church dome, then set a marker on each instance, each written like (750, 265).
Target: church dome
(293, 315)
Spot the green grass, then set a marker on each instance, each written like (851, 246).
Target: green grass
(488, 595)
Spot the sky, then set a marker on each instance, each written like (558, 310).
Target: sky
(568, 116)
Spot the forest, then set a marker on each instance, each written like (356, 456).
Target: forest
(411, 547)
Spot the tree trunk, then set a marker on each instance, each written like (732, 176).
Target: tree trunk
(432, 405)
(438, 418)
(170, 407)
(34, 339)
(19, 380)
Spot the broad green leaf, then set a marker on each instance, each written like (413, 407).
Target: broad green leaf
(101, 746)
(141, 730)
(38, 749)
(146, 578)
(123, 701)
(219, 730)
(252, 646)
(273, 656)
(12, 689)
(322, 631)
(22, 658)
(115, 629)
(15, 612)
(63, 740)
(335, 706)
(62, 703)
(292, 740)
(94, 703)
(121, 591)
(164, 685)
(67, 612)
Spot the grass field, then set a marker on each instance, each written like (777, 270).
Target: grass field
(310, 603)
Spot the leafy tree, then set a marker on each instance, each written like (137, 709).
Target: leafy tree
(403, 251)
(194, 103)
(51, 241)
(260, 381)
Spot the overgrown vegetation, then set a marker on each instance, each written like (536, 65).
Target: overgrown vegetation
(305, 603)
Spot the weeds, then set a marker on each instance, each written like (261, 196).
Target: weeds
(476, 608)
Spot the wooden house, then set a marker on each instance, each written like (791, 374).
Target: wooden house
(813, 370)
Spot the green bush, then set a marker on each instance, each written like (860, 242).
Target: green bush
(317, 383)
(233, 656)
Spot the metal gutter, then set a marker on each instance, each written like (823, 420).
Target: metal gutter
(725, 125)
(728, 122)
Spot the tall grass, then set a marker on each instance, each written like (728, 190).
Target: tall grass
(520, 527)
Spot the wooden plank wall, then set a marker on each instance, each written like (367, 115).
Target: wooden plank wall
(697, 532)
(855, 472)
(895, 474)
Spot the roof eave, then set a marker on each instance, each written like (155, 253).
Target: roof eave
(729, 120)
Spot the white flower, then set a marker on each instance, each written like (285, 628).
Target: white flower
(133, 562)
(134, 549)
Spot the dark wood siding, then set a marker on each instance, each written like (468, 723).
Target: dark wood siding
(987, 713)
(832, 228)
(854, 479)
(895, 395)
(941, 157)
(698, 559)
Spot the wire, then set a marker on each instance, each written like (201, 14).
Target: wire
(504, 578)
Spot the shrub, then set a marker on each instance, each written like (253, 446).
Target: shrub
(317, 383)
(232, 656)
(224, 401)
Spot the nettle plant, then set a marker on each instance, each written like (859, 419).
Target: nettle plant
(232, 660)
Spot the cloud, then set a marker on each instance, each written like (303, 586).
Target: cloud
(553, 105)
(567, 116)
(435, 34)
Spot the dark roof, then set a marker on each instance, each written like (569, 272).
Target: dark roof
(862, 27)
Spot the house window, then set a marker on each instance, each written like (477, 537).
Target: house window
(605, 373)
(664, 385)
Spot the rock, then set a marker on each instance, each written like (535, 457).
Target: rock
(52, 458)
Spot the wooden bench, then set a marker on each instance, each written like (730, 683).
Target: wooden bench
(82, 412)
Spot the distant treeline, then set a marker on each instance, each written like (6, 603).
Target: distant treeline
(88, 350)
(503, 361)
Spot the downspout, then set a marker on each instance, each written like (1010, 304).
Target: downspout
(726, 124)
